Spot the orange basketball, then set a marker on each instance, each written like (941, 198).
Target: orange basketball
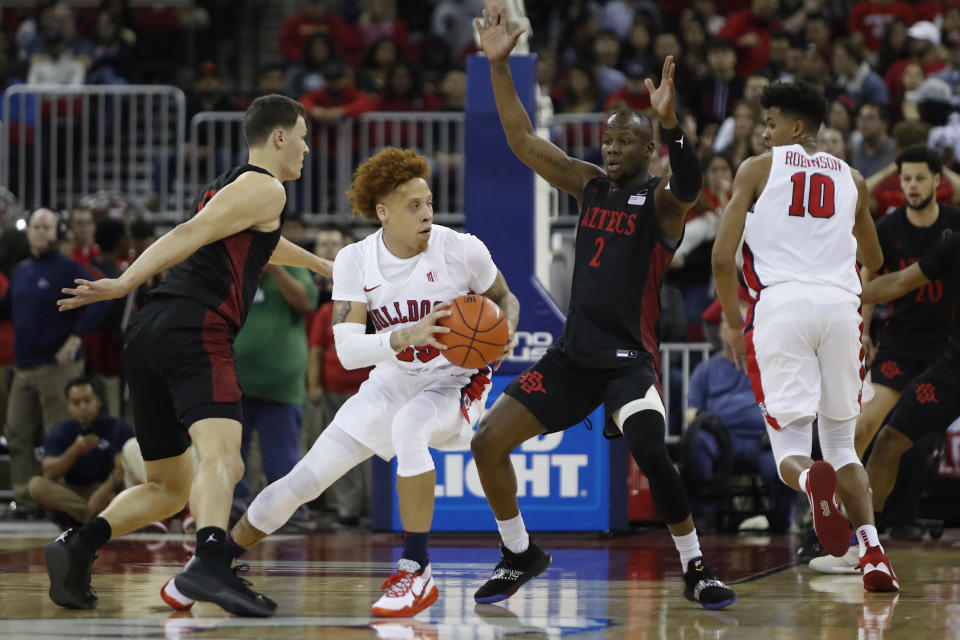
(478, 332)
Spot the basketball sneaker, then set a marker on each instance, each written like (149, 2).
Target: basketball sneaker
(878, 573)
(704, 588)
(848, 563)
(68, 566)
(832, 527)
(211, 580)
(512, 572)
(408, 592)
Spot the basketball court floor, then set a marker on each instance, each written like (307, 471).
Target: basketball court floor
(598, 587)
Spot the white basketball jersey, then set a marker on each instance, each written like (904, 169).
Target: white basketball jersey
(801, 227)
(454, 264)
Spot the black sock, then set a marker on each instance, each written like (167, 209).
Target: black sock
(211, 542)
(94, 534)
(415, 547)
(233, 550)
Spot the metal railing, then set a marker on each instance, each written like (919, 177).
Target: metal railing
(679, 354)
(58, 144)
(216, 143)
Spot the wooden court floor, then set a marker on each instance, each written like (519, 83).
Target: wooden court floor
(598, 587)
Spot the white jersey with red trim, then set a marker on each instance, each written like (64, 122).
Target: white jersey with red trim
(801, 227)
(398, 292)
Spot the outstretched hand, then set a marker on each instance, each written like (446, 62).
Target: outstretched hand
(90, 291)
(495, 38)
(663, 97)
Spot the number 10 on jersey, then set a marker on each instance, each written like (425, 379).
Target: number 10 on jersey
(819, 197)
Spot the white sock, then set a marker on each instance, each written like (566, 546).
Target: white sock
(514, 534)
(803, 480)
(867, 537)
(688, 546)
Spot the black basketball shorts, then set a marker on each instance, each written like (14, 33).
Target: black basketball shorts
(931, 402)
(895, 368)
(560, 394)
(178, 360)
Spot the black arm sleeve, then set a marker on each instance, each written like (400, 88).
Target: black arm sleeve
(687, 177)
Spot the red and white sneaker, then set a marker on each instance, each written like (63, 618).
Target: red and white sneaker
(878, 573)
(832, 527)
(172, 596)
(408, 592)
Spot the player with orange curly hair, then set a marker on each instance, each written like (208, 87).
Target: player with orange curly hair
(414, 399)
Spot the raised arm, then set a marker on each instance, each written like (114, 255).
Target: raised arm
(869, 253)
(545, 158)
(252, 199)
(676, 196)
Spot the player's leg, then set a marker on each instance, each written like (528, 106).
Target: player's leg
(552, 395)
(783, 343)
(929, 403)
(640, 415)
(169, 471)
(841, 372)
(431, 416)
(890, 372)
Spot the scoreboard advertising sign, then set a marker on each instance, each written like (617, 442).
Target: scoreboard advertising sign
(562, 482)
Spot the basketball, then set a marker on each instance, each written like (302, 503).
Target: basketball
(478, 332)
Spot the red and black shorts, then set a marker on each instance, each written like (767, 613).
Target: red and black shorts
(895, 369)
(931, 402)
(561, 394)
(178, 360)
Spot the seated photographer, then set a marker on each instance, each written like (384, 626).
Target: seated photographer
(83, 458)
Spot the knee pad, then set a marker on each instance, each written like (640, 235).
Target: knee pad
(410, 434)
(649, 402)
(794, 440)
(837, 441)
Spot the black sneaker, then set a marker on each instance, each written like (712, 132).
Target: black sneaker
(704, 588)
(206, 580)
(809, 548)
(68, 567)
(514, 571)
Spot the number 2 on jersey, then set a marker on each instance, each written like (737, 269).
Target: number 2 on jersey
(595, 262)
(820, 201)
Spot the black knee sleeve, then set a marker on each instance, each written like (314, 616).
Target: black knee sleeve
(645, 433)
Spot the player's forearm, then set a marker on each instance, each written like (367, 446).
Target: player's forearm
(173, 247)
(511, 309)
(884, 289)
(291, 255)
(725, 278)
(516, 123)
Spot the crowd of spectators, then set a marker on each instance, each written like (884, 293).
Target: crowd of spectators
(890, 71)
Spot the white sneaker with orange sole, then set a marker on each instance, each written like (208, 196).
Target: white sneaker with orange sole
(407, 592)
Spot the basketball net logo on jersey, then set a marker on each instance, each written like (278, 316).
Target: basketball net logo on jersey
(801, 227)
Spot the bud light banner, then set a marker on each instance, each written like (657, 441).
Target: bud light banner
(563, 482)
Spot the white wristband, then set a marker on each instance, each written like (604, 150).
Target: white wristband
(357, 349)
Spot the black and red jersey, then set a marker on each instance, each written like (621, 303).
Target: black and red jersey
(224, 274)
(942, 264)
(919, 321)
(621, 255)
